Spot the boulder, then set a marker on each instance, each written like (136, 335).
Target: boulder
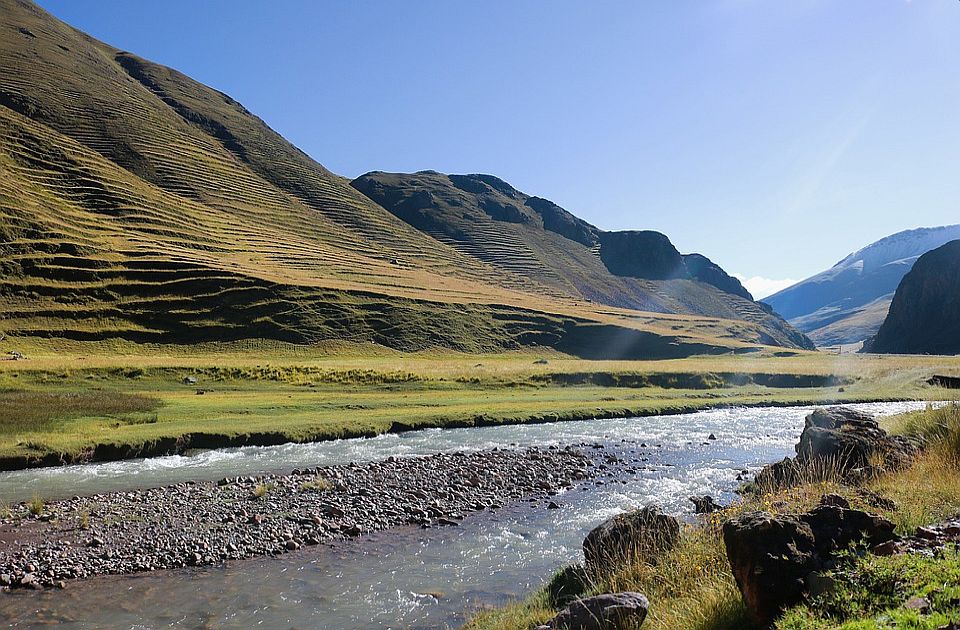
(705, 505)
(771, 557)
(640, 534)
(774, 559)
(610, 611)
(850, 438)
(836, 528)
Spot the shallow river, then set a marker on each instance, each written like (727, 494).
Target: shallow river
(407, 578)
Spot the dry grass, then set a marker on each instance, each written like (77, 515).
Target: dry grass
(36, 505)
(317, 484)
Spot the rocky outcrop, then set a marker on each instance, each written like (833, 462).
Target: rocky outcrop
(927, 540)
(641, 254)
(705, 270)
(845, 440)
(775, 559)
(705, 505)
(639, 535)
(924, 316)
(610, 611)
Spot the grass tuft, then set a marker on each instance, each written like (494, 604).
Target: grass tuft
(317, 484)
(261, 490)
(36, 505)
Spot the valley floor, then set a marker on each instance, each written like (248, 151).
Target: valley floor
(85, 402)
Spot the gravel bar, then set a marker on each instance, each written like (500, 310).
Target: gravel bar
(195, 524)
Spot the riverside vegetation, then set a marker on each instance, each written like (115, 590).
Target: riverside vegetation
(691, 586)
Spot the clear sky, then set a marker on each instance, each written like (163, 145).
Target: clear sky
(774, 137)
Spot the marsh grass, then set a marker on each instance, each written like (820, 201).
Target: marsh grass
(33, 411)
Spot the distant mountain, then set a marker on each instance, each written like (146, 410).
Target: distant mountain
(139, 204)
(484, 217)
(924, 316)
(848, 302)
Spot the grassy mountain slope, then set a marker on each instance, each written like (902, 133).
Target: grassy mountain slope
(486, 218)
(136, 203)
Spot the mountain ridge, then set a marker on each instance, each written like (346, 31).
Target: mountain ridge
(847, 303)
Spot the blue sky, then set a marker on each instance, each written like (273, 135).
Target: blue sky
(774, 137)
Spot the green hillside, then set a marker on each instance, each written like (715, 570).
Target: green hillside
(138, 204)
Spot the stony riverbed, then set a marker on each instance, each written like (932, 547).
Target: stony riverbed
(193, 524)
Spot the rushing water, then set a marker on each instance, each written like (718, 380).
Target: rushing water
(406, 578)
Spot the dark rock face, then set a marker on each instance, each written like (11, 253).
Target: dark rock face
(705, 505)
(836, 527)
(770, 558)
(641, 254)
(641, 534)
(705, 270)
(556, 219)
(774, 558)
(610, 611)
(924, 317)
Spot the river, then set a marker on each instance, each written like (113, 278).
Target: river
(407, 578)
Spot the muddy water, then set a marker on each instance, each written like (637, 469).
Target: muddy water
(407, 578)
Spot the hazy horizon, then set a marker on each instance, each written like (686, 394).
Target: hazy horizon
(774, 139)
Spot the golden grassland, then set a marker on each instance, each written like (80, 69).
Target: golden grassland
(691, 587)
(67, 398)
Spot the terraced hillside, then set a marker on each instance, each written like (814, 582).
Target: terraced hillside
(489, 220)
(139, 204)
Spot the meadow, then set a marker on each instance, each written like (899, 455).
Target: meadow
(77, 402)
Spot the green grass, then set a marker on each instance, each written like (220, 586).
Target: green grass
(68, 404)
(181, 218)
(871, 591)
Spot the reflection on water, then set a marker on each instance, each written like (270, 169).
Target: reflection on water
(409, 578)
